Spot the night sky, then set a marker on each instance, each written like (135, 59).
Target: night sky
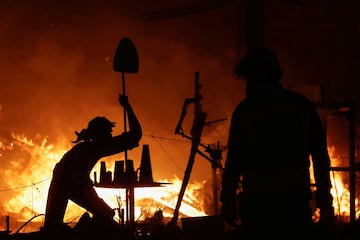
(56, 65)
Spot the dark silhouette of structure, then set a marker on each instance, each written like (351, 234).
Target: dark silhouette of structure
(71, 175)
(274, 134)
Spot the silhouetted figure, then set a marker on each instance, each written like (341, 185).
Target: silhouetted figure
(71, 175)
(274, 134)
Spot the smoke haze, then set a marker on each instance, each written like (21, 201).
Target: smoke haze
(56, 73)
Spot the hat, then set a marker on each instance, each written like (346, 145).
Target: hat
(99, 124)
(260, 64)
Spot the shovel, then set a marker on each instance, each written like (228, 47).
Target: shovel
(126, 60)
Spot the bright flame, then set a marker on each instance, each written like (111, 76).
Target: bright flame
(150, 199)
(30, 164)
(339, 191)
(28, 177)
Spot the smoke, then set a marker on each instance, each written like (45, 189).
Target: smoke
(56, 75)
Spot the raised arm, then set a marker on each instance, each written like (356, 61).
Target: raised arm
(135, 130)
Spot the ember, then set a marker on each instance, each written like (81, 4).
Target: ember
(26, 193)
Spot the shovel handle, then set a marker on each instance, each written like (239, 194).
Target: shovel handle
(125, 118)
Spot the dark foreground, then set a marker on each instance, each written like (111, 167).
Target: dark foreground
(194, 228)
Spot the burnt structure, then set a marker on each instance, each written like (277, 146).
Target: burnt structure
(345, 113)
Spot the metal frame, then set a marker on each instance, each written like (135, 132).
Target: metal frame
(347, 109)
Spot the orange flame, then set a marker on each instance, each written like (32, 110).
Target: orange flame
(28, 174)
(27, 191)
(339, 191)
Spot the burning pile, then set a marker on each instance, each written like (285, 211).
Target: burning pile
(29, 164)
(28, 173)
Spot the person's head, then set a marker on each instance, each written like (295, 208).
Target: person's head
(98, 128)
(259, 65)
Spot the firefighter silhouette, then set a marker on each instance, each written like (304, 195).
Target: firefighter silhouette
(71, 175)
(273, 135)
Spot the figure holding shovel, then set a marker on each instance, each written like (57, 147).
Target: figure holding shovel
(71, 175)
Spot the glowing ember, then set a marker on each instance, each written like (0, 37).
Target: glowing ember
(29, 173)
(30, 164)
(150, 199)
(340, 191)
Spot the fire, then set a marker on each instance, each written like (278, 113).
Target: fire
(28, 174)
(339, 191)
(149, 200)
(26, 171)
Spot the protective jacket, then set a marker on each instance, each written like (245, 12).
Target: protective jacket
(274, 134)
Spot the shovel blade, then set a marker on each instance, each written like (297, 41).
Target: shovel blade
(126, 58)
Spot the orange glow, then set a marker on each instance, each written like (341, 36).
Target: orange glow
(28, 191)
(27, 185)
(339, 191)
(150, 199)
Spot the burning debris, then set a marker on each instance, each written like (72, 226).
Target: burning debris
(34, 159)
(22, 207)
(26, 201)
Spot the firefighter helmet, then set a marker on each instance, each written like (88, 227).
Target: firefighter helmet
(259, 65)
(99, 124)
